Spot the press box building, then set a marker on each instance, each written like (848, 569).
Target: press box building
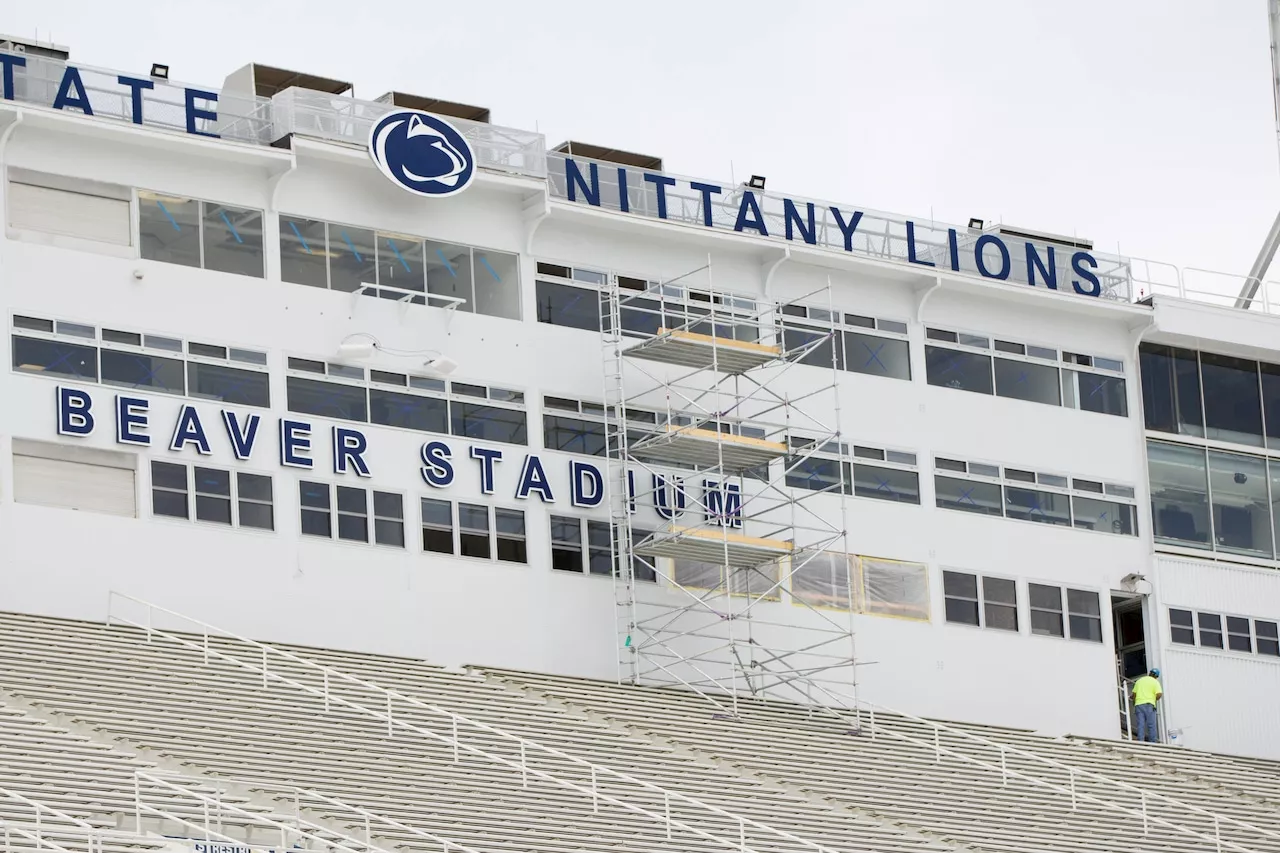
(384, 375)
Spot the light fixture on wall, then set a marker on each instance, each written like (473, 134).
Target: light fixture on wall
(756, 182)
(159, 71)
(976, 224)
(441, 365)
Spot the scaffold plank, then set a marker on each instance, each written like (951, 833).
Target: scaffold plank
(691, 349)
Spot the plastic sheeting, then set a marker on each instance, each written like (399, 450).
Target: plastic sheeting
(891, 588)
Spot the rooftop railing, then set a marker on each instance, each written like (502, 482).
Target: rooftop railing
(341, 119)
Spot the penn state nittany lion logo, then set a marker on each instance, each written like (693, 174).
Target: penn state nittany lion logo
(421, 153)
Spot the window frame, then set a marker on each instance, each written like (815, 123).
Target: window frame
(139, 194)
(192, 493)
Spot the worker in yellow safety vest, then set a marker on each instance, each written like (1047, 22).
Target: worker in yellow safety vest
(1146, 693)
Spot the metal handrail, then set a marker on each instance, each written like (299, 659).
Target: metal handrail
(39, 808)
(326, 841)
(524, 744)
(10, 827)
(1074, 772)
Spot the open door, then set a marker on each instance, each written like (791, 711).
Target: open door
(1131, 652)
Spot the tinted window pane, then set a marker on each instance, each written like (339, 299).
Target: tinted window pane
(1045, 597)
(55, 358)
(999, 590)
(449, 273)
(1046, 623)
(254, 486)
(233, 240)
(352, 500)
(1093, 392)
(426, 414)
(795, 340)
(1171, 390)
(497, 283)
(351, 257)
(303, 252)
(257, 515)
(473, 525)
(136, 370)
(815, 473)
(228, 384)
(964, 371)
(169, 229)
(388, 532)
(173, 504)
(573, 435)
(400, 263)
(960, 584)
(1105, 516)
(962, 611)
(316, 523)
(1271, 403)
(1023, 380)
(1232, 399)
(488, 423)
(1179, 494)
(354, 528)
(327, 399)
(1241, 508)
(1035, 505)
(213, 509)
(876, 356)
(886, 484)
(1182, 627)
(968, 496)
(644, 317)
(313, 495)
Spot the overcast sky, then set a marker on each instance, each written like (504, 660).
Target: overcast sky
(1145, 125)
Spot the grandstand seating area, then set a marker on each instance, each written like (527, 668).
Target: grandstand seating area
(370, 752)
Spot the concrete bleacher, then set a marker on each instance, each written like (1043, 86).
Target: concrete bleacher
(805, 781)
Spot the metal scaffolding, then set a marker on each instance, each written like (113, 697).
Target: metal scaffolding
(707, 418)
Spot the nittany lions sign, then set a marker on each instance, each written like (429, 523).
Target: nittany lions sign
(422, 153)
(298, 444)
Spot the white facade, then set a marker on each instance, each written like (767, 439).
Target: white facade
(82, 198)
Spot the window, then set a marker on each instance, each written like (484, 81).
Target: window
(893, 588)
(968, 495)
(1210, 630)
(473, 531)
(1241, 506)
(509, 526)
(1095, 392)
(396, 266)
(1181, 628)
(1171, 390)
(900, 483)
(1084, 615)
(200, 234)
(437, 526)
(1232, 399)
(852, 342)
(231, 385)
(1036, 505)
(1104, 516)
(487, 423)
(953, 368)
(1026, 380)
(960, 594)
(989, 602)
(327, 399)
(1268, 639)
(1179, 494)
(564, 305)
(318, 501)
(80, 478)
(212, 495)
(566, 544)
(55, 358)
(1046, 610)
(822, 580)
(1239, 637)
(69, 207)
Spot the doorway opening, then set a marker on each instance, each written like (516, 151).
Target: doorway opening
(1131, 652)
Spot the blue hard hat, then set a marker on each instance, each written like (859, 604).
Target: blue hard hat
(1155, 673)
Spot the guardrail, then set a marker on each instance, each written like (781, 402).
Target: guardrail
(38, 828)
(458, 724)
(1073, 774)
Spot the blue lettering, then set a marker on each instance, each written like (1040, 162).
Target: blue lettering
(349, 446)
(847, 228)
(661, 500)
(80, 100)
(74, 410)
(194, 112)
(978, 247)
(242, 436)
(707, 191)
(1049, 274)
(587, 483)
(131, 412)
(295, 440)
(136, 85)
(7, 64)
(1078, 261)
(911, 246)
(436, 469)
(660, 182)
(808, 229)
(573, 179)
(624, 199)
(723, 506)
(748, 204)
(189, 430)
(486, 456)
(534, 479)
(954, 245)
